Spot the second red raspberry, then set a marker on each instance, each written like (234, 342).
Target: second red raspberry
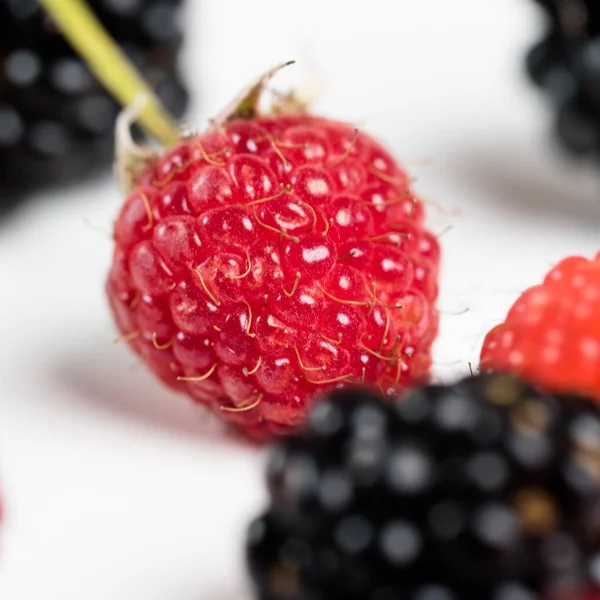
(551, 335)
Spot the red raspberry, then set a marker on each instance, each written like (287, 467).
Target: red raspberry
(551, 335)
(265, 261)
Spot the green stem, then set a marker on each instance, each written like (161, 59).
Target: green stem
(110, 65)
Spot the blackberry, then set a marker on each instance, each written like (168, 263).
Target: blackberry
(566, 64)
(56, 121)
(485, 490)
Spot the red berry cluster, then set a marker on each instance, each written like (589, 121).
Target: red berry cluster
(267, 260)
(551, 335)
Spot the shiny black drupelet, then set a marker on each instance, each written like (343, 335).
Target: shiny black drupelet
(566, 64)
(485, 490)
(56, 121)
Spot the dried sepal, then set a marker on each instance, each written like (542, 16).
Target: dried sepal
(131, 158)
(246, 104)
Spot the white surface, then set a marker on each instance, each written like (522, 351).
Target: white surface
(115, 489)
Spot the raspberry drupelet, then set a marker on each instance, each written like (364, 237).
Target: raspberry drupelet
(271, 258)
(551, 335)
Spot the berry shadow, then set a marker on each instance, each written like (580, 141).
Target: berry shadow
(236, 593)
(553, 186)
(107, 378)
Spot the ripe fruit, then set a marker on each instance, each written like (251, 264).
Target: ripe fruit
(563, 64)
(484, 490)
(271, 258)
(551, 334)
(56, 121)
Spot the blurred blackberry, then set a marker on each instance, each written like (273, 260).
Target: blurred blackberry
(566, 64)
(56, 121)
(484, 490)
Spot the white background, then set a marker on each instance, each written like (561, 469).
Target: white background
(116, 489)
